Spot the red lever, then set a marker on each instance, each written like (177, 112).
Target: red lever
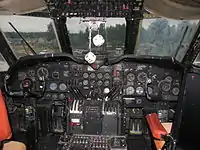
(156, 127)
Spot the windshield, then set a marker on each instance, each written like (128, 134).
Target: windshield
(113, 31)
(156, 37)
(37, 31)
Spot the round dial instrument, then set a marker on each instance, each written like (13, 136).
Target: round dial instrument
(140, 90)
(85, 82)
(130, 90)
(62, 87)
(99, 75)
(99, 83)
(107, 76)
(53, 86)
(85, 75)
(142, 77)
(165, 85)
(106, 83)
(92, 75)
(175, 91)
(169, 78)
(42, 72)
(130, 77)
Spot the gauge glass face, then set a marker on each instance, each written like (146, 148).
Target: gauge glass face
(175, 91)
(85, 75)
(107, 75)
(53, 86)
(106, 83)
(92, 75)
(130, 77)
(142, 77)
(99, 83)
(130, 90)
(85, 82)
(62, 87)
(99, 75)
(165, 86)
(139, 90)
(42, 72)
(169, 78)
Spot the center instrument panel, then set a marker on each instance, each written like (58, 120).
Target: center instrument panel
(93, 103)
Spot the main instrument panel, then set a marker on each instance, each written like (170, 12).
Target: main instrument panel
(82, 81)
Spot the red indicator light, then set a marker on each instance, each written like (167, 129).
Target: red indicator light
(69, 99)
(72, 124)
(94, 66)
(193, 77)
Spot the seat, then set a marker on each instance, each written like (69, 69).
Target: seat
(5, 129)
(185, 128)
(14, 146)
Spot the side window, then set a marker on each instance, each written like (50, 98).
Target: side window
(39, 32)
(3, 64)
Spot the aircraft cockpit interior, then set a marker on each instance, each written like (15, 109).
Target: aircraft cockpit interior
(100, 74)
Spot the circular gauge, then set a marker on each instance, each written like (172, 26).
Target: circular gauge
(62, 87)
(169, 78)
(92, 82)
(142, 77)
(165, 86)
(99, 83)
(106, 83)
(62, 96)
(31, 73)
(54, 96)
(175, 91)
(92, 75)
(85, 82)
(130, 90)
(139, 90)
(99, 75)
(130, 77)
(53, 86)
(107, 76)
(85, 75)
(42, 72)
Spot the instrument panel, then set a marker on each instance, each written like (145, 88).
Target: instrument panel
(127, 79)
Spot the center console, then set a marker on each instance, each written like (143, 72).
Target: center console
(92, 142)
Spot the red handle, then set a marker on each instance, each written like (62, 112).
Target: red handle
(5, 130)
(155, 126)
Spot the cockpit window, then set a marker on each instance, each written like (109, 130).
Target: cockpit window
(38, 32)
(165, 37)
(113, 30)
(3, 64)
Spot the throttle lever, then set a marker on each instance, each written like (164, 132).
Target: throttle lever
(111, 91)
(116, 93)
(72, 92)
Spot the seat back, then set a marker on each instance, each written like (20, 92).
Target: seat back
(5, 129)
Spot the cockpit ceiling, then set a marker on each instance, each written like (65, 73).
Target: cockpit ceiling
(177, 9)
